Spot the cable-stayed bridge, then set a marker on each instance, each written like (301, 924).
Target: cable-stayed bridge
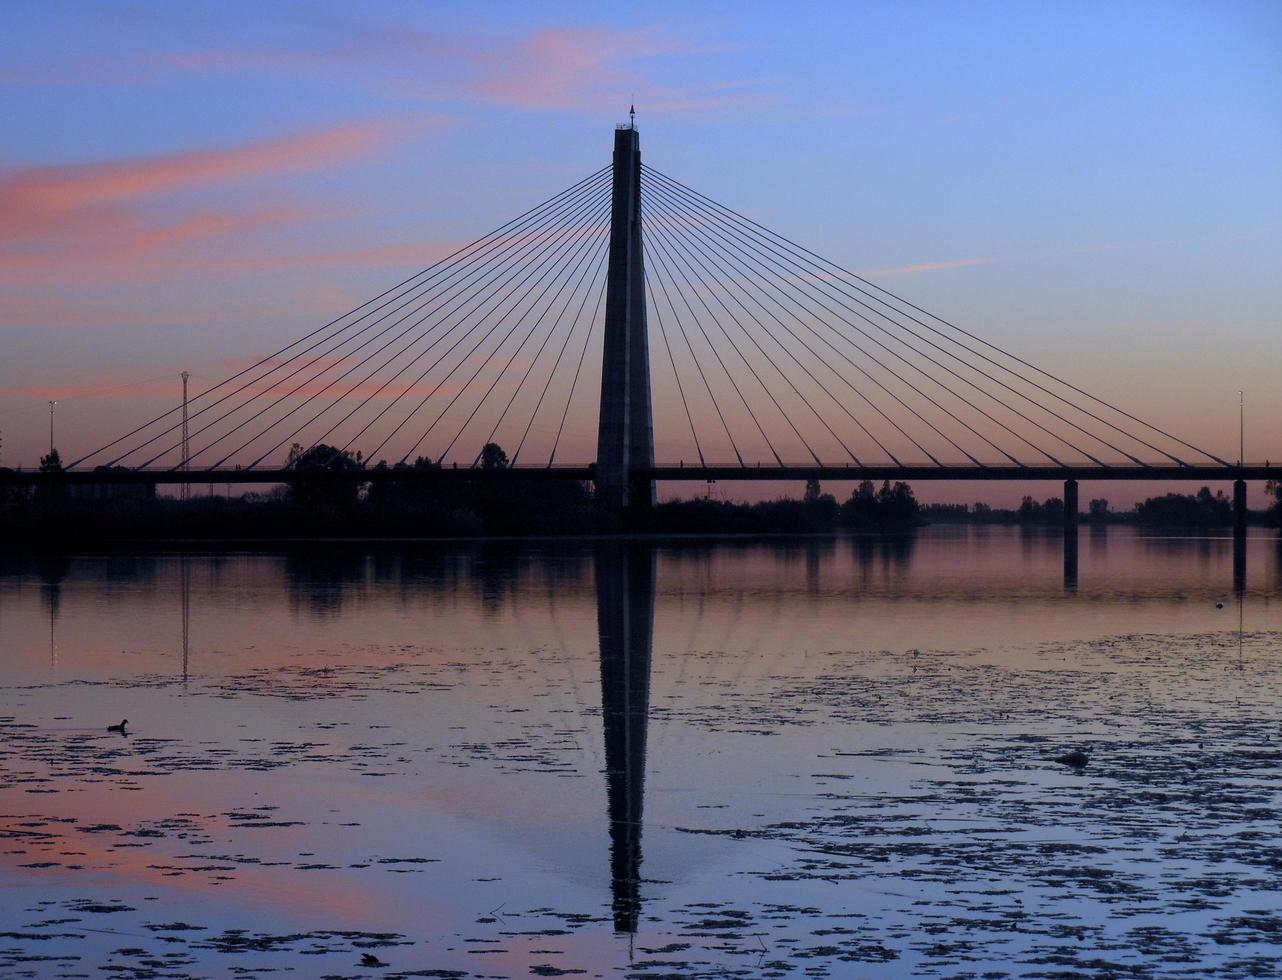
(697, 343)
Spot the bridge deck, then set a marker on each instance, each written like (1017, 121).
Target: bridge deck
(1249, 471)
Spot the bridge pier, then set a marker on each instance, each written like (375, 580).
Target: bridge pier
(1239, 506)
(1070, 506)
(1239, 537)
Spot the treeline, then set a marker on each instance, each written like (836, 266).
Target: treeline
(331, 498)
(892, 507)
(1201, 509)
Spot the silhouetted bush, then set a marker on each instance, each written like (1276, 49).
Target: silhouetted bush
(1202, 509)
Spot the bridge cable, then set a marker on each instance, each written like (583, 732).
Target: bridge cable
(581, 261)
(654, 306)
(909, 408)
(443, 262)
(586, 267)
(530, 246)
(596, 217)
(787, 278)
(508, 245)
(837, 401)
(580, 251)
(713, 243)
(703, 258)
(1031, 382)
(417, 357)
(661, 256)
(534, 247)
(900, 340)
(592, 323)
(663, 287)
(574, 325)
(989, 345)
(675, 245)
(500, 308)
(854, 458)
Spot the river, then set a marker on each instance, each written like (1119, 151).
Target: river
(741, 757)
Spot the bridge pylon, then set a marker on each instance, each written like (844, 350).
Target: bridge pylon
(625, 435)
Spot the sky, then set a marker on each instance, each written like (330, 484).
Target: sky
(1096, 186)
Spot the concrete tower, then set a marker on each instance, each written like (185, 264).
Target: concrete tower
(625, 439)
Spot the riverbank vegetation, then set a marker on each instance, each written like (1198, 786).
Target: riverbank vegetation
(329, 499)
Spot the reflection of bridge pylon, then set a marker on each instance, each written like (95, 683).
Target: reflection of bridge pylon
(625, 623)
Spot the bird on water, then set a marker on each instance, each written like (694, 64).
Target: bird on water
(1077, 759)
(119, 728)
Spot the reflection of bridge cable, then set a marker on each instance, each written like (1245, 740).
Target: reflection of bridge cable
(661, 258)
(788, 279)
(531, 246)
(439, 264)
(828, 268)
(596, 217)
(654, 307)
(509, 243)
(713, 243)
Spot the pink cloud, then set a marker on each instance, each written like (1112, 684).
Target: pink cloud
(907, 270)
(98, 218)
(557, 67)
(36, 199)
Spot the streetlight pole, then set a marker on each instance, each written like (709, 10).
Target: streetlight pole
(1241, 429)
(52, 403)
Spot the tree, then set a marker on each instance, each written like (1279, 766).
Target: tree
(890, 506)
(1275, 488)
(1204, 509)
(813, 492)
(493, 457)
(1098, 508)
(321, 460)
(51, 463)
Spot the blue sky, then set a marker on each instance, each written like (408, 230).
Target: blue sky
(1095, 185)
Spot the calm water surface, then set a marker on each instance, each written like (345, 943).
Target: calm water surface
(807, 757)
